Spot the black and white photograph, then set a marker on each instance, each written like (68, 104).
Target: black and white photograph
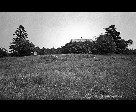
(67, 55)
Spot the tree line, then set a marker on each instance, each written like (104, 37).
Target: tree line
(107, 43)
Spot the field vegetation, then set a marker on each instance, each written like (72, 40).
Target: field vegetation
(68, 77)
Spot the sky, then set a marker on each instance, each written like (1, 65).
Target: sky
(55, 29)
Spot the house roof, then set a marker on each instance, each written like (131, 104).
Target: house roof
(80, 40)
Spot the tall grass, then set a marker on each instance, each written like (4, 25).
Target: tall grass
(49, 77)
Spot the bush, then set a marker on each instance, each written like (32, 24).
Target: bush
(3, 52)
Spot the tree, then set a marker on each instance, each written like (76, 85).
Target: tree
(67, 48)
(53, 50)
(42, 51)
(105, 44)
(3, 52)
(38, 50)
(111, 41)
(20, 45)
(77, 47)
(58, 50)
(129, 42)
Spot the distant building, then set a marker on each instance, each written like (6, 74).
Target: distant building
(81, 40)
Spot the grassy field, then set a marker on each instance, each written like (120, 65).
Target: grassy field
(68, 77)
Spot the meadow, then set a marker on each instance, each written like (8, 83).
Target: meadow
(68, 77)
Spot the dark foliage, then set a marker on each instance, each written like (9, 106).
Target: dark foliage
(107, 43)
(3, 52)
(121, 44)
(20, 45)
(86, 47)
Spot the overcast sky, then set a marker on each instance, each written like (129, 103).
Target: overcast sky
(48, 29)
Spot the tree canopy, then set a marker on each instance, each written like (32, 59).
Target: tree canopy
(109, 42)
(20, 45)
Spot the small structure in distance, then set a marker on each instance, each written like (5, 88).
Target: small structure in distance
(81, 40)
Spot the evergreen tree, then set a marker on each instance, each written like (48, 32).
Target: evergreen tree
(20, 45)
